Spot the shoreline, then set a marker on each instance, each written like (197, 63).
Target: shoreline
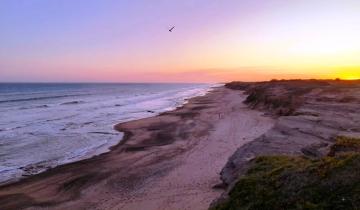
(153, 159)
(19, 173)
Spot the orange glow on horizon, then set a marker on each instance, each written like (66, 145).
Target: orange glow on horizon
(213, 41)
(348, 73)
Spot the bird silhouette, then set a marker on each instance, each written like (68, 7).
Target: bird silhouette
(171, 29)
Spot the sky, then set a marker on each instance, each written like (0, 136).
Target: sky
(213, 40)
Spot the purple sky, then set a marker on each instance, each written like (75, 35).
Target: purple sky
(88, 40)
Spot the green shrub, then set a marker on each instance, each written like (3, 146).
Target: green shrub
(284, 182)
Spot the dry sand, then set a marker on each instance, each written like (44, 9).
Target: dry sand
(170, 161)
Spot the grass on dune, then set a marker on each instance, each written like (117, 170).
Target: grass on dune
(288, 182)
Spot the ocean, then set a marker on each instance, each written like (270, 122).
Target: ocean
(45, 125)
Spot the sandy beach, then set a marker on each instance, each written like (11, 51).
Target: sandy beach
(179, 105)
(170, 161)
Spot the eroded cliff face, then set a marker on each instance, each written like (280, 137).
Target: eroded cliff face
(310, 115)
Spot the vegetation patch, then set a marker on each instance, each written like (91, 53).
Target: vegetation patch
(345, 144)
(286, 182)
(280, 97)
(284, 97)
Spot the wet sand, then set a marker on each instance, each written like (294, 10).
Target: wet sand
(170, 161)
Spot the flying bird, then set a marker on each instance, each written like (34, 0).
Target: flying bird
(171, 29)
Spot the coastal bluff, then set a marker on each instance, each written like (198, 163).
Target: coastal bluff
(317, 126)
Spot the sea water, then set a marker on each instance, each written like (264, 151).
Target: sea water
(45, 125)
